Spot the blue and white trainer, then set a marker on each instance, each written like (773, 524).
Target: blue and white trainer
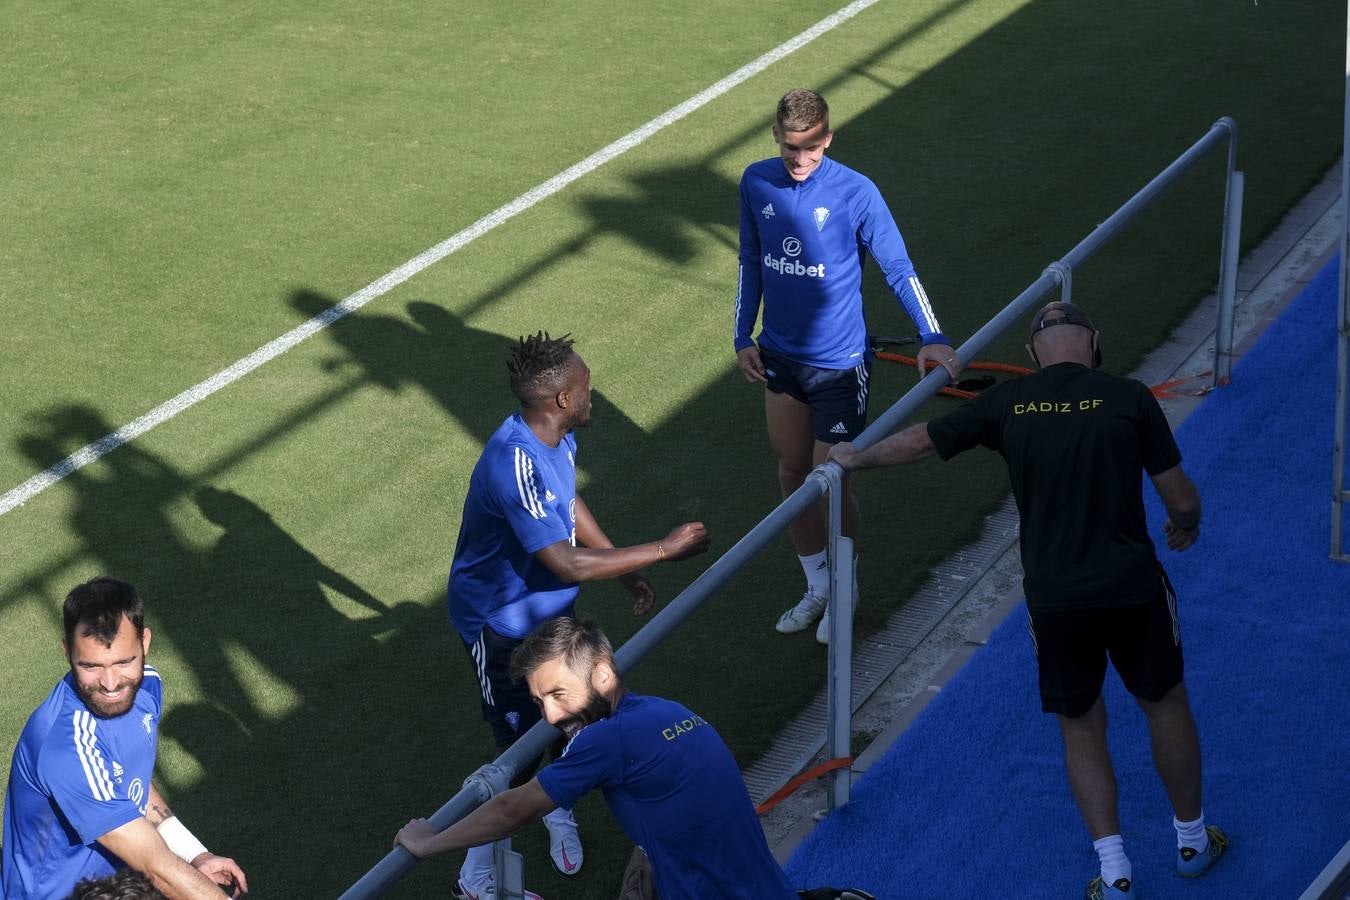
(1192, 863)
(1120, 889)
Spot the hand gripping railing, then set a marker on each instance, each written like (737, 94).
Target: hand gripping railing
(825, 480)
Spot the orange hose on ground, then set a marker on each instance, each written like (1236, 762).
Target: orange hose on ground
(1162, 391)
(791, 787)
(975, 366)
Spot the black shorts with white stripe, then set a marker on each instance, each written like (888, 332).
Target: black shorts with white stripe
(837, 397)
(507, 705)
(1142, 641)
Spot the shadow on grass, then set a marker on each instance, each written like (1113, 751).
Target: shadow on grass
(709, 462)
(325, 731)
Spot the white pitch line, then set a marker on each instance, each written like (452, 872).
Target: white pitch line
(387, 282)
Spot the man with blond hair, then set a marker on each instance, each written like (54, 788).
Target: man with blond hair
(806, 221)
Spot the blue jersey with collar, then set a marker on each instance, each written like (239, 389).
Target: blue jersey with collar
(802, 250)
(678, 794)
(74, 778)
(522, 498)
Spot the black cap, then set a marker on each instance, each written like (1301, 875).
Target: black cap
(1061, 312)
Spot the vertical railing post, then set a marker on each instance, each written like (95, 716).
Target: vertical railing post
(839, 689)
(1230, 245)
(508, 867)
(1228, 266)
(508, 870)
(1338, 493)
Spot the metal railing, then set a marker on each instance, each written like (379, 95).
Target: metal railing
(826, 480)
(1339, 495)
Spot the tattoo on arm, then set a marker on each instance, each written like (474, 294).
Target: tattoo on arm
(158, 811)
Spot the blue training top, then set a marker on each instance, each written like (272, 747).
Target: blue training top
(75, 777)
(802, 246)
(521, 499)
(676, 791)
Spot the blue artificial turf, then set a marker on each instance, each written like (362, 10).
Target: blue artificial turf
(972, 801)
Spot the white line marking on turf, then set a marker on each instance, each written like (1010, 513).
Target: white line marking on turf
(386, 283)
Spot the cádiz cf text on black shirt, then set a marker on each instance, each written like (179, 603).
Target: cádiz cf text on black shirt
(1077, 442)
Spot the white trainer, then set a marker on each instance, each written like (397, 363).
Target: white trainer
(823, 629)
(800, 617)
(485, 891)
(564, 844)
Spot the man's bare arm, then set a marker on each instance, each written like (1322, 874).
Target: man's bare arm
(220, 869)
(1182, 501)
(500, 817)
(591, 535)
(139, 845)
(157, 810)
(910, 445)
(575, 564)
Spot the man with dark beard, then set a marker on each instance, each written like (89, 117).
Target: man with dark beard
(665, 772)
(80, 802)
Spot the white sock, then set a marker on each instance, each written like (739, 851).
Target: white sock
(817, 569)
(478, 867)
(1192, 834)
(560, 816)
(1115, 864)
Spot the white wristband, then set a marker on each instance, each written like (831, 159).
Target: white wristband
(181, 841)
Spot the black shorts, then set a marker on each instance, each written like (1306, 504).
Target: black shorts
(1143, 642)
(837, 397)
(507, 705)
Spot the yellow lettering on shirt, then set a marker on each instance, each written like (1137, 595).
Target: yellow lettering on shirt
(1054, 407)
(684, 726)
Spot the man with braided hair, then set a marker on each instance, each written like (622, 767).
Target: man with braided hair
(526, 541)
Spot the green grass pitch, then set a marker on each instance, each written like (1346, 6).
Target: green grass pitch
(183, 184)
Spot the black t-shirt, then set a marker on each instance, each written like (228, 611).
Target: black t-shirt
(1076, 441)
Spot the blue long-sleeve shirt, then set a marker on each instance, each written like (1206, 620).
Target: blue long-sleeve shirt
(802, 250)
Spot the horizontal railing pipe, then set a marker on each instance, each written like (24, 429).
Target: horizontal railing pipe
(719, 573)
(478, 789)
(1221, 130)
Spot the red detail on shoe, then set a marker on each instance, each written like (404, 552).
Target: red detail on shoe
(568, 865)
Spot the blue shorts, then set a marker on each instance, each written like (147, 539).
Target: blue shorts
(837, 397)
(507, 705)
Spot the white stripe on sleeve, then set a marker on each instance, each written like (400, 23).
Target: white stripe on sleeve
(95, 772)
(529, 496)
(736, 310)
(929, 319)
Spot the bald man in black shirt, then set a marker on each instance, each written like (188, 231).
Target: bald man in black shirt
(1077, 442)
